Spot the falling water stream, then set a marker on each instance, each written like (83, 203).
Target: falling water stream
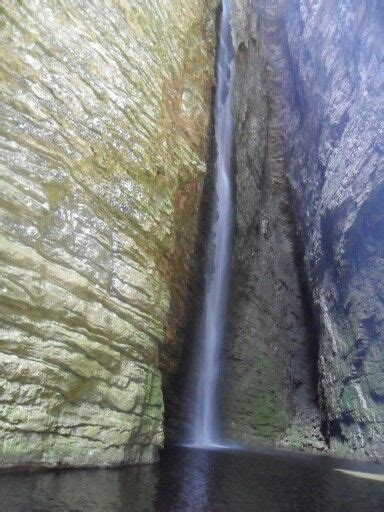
(217, 272)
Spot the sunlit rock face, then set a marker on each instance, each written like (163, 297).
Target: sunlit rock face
(103, 141)
(320, 152)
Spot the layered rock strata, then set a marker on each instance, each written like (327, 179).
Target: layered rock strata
(308, 267)
(336, 167)
(268, 361)
(103, 142)
(105, 116)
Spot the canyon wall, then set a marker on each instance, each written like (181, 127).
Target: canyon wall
(105, 114)
(268, 356)
(307, 307)
(105, 119)
(336, 167)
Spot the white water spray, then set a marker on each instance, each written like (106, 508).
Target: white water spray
(217, 273)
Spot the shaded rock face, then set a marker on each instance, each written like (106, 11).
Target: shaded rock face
(104, 121)
(272, 383)
(310, 213)
(337, 173)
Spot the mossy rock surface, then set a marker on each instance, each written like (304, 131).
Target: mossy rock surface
(104, 126)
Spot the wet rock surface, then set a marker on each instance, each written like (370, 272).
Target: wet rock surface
(336, 170)
(268, 361)
(310, 217)
(103, 145)
(105, 115)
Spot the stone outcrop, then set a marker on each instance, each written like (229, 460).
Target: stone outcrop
(308, 266)
(104, 119)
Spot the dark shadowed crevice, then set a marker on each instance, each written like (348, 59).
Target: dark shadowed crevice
(311, 318)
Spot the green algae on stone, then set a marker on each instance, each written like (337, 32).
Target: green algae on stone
(105, 110)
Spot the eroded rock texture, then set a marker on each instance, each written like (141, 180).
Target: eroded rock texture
(272, 392)
(103, 133)
(336, 52)
(310, 109)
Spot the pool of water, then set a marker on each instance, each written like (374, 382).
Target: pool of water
(201, 480)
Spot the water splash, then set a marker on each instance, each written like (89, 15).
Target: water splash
(217, 272)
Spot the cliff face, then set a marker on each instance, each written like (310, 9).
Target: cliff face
(308, 263)
(336, 170)
(104, 121)
(272, 390)
(103, 155)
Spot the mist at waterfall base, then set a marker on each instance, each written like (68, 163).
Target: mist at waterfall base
(202, 481)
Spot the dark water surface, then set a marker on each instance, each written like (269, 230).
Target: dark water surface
(199, 480)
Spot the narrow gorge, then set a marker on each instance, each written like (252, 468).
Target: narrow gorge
(111, 211)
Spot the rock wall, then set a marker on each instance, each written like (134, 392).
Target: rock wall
(105, 116)
(272, 383)
(336, 165)
(308, 262)
(103, 144)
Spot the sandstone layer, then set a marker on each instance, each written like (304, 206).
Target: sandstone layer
(105, 113)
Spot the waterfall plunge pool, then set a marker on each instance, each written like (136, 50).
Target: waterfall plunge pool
(203, 481)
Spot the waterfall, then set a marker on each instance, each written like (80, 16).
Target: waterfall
(217, 271)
